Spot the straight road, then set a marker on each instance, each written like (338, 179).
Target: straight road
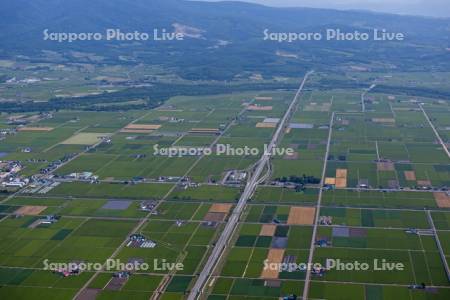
(444, 146)
(439, 245)
(248, 191)
(319, 203)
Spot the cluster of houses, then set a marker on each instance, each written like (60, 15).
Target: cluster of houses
(122, 274)
(140, 241)
(322, 243)
(82, 176)
(234, 177)
(326, 220)
(148, 206)
(4, 132)
(318, 271)
(27, 150)
(68, 273)
(175, 120)
(46, 220)
(179, 223)
(50, 219)
(171, 179)
(187, 184)
(183, 182)
(41, 184)
(55, 164)
(27, 119)
(74, 269)
(9, 174)
(415, 231)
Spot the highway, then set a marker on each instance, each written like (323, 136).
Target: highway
(250, 188)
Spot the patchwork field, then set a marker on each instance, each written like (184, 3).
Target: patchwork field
(85, 138)
(382, 198)
(361, 185)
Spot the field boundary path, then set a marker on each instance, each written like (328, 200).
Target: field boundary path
(439, 245)
(319, 203)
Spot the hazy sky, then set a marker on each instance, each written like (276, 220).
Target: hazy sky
(438, 8)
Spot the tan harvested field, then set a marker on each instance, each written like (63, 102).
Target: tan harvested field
(301, 215)
(268, 230)
(259, 108)
(341, 178)
(341, 173)
(204, 129)
(275, 256)
(143, 126)
(85, 138)
(35, 129)
(140, 128)
(385, 166)
(220, 208)
(215, 217)
(30, 210)
(136, 131)
(330, 180)
(442, 200)
(266, 125)
(410, 175)
(341, 183)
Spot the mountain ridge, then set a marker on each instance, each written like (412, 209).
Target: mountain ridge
(238, 26)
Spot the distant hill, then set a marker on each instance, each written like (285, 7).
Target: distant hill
(223, 39)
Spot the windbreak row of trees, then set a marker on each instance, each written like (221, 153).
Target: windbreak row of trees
(148, 97)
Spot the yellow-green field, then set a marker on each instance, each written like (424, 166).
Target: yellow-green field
(85, 138)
